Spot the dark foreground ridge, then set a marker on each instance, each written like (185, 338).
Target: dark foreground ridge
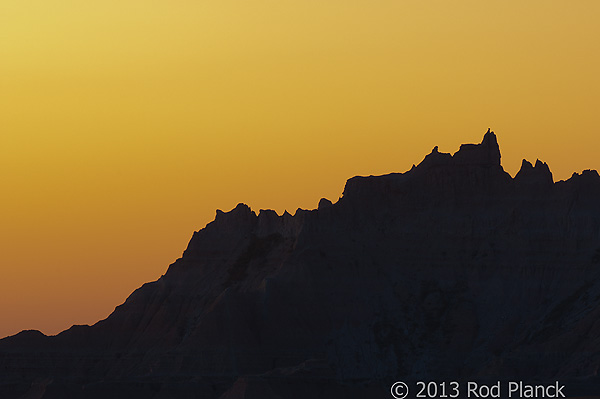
(453, 270)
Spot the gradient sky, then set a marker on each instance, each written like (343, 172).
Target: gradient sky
(125, 124)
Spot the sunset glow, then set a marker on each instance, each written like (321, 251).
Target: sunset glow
(125, 124)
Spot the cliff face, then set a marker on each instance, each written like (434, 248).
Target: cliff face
(450, 270)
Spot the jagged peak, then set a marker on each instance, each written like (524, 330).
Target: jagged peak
(539, 163)
(591, 172)
(324, 203)
(538, 174)
(486, 153)
(543, 166)
(588, 175)
(525, 165)
(239, 208)
(240, 214)
(489, 138)
(435, 158)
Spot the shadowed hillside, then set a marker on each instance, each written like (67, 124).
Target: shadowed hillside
(453, 270)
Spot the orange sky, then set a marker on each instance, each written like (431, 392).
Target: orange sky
(125, 124)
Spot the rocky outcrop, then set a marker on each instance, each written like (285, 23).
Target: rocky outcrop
(487, 153)
(535, 179)
(452, 270)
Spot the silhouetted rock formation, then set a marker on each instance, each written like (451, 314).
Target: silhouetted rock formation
(452, 270)
(536, 178)
(485, 154)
